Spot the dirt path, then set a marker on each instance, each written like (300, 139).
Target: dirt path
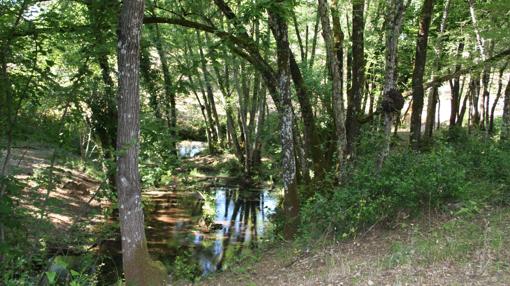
(452, 252)
(71, 201)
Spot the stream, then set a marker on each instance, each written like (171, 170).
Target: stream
(201, 231)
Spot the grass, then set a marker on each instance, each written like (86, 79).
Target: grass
(463, 248)
(461, 240)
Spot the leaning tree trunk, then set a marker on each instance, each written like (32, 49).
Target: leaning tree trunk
(291, 203)
(419, 70)
(338, 105)
(137, 265)
(392, 99)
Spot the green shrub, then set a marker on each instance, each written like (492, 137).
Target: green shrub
(467, 169)
(408, 183)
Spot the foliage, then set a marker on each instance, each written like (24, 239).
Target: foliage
(410, 183)
(185, 267)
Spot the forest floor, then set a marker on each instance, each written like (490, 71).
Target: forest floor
(70, 201)
(440, 250)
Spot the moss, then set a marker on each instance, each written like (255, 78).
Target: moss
(143, 271)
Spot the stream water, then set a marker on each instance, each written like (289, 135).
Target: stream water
(208, 229)
(189, 149)
(201, 231)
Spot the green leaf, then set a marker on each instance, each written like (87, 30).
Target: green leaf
(52, 276)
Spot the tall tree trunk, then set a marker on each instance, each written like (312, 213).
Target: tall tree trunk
(419, 70)
(338, 105)
(480, 43)
(455, 89)
(298, 36)
(338, 35)
(505, 127)
(393, 100)
(498, 96)
(462, 112)
(210, 120)
(311, 138)
(137, 265)
(314, 39)
(434, 91)
(475, 98)
(358, 74)
(210, 94)
(291, 203)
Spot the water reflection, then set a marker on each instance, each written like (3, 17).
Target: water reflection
(212, 227)
(189, 149)
(209, 229)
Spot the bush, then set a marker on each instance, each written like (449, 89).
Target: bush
(408, 183)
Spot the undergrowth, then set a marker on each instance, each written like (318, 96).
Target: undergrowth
(466, 173)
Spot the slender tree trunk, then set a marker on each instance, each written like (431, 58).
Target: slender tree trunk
(505, 127)
(291, 203)
(393, 100)
(311, 138)
(498, 96)
(137, 265)
(358, 74)
(314, 40)
(418, 72)
(434, 92)
(462, 112)
(455, 89)
(338, 105)
(480, 42)
(210, 94)
(298, 36)
(475, 98)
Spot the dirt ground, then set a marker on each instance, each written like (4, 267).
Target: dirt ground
(73, 198)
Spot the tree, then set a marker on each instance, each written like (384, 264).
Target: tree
(434, 92)
(392, 99)
(137, 265)
(291, 203)
(419, 70)
(358, 73)
(338, 105)
(505, 128)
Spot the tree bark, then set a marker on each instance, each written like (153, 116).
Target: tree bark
(434, 92)
(505, 128)
(338, 105)
(419, 70)
(137, 265)
(394, 15)
(291, 203)
(210, 94)
(455, 89)
(358, 74)
(498, 96)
